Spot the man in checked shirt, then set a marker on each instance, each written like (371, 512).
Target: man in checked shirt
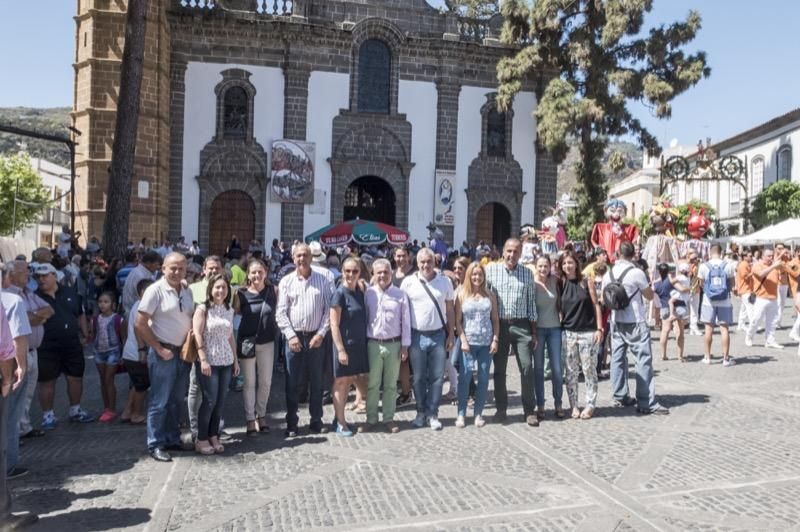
(516, 299)
(303, 316)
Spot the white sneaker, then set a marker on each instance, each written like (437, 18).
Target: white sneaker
(728, 362)
(419, 421)
(773, 345)
(479, 421)
(436, 424)
(748, 341)
(706, 360)
(794, 336)
(460, 422)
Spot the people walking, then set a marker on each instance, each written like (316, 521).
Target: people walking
(516, 301)
(766, 285)
(743, 289)
(716, 276)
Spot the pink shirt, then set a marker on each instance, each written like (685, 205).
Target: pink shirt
(7, 350)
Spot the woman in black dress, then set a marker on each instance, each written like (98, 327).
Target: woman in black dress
(349, 331)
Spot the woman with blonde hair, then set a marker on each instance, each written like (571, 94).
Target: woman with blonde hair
(477, 326)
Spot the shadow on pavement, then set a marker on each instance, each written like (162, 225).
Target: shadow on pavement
(754, 359)
(672, 400)
(91, 519)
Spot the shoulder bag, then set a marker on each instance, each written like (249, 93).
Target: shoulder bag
(189, 349)
(424, 284)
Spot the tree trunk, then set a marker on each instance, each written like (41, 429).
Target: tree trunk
(118, 199)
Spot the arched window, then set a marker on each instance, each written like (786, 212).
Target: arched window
(496, 133)
(785, 163)
(757, 176)
(235, 113)
(736, 191)
(374, 76)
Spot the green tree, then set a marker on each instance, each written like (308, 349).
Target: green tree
(473, 8)
(18, 179)
(592, 61)
(777, 202)
(684, 213)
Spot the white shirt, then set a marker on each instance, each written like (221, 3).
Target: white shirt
(129, 292)
(131, 349)
(730, 272)
(170, 311)
(424, 316)
(634, 282)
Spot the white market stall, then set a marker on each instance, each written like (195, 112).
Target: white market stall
(785, 232)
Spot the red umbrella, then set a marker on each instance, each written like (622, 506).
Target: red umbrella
(362, 232)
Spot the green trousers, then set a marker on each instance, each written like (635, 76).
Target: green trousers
(384, 367)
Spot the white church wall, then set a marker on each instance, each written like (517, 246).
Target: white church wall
(200, 125)
(523, 137)
(328, 93)
(418, 101)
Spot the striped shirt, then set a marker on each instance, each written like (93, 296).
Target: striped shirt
(304, 304)
(515, 290)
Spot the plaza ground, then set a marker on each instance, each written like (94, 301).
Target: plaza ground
(726, 458)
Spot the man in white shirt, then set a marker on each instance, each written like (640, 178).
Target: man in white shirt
(630, 332)
(147, 268)
(716, 277)
(431, 298)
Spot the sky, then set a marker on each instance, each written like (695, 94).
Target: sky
(753, 49)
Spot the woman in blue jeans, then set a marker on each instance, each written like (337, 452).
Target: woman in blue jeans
(213, 330)
(477, 326)
(548, 325)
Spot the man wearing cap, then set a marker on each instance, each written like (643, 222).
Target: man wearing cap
(163, 323)
(61, 350)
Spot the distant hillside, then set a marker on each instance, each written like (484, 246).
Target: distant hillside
(567, 178)
(54, 121)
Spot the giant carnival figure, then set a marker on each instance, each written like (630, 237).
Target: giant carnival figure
(553, 235)
(697, 226)
(611, 233)
(661, 246)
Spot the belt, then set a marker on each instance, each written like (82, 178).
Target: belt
(170, 346)
(515, 320)
(429, 333)
(386, 340)
(306, 334)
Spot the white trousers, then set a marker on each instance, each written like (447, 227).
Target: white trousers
(694, 311)
(783, 293)
(745, 312)
(765, 309)
(257, 373)
(33, 376)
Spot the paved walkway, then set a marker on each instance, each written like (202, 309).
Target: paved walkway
(726, 458)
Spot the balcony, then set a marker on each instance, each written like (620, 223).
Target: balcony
(56, 217)
(273, 8)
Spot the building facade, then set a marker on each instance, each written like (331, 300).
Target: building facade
(387, 98)
(56, 179)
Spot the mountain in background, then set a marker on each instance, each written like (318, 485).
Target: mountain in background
(53, 121)
(567, 178)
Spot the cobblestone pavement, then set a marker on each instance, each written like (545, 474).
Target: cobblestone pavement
(725, 459)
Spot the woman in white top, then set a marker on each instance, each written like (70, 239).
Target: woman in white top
(216, 364)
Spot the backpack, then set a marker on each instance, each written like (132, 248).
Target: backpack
(715, 286)
(615, 297)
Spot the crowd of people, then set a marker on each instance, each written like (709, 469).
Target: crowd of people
(389, 322)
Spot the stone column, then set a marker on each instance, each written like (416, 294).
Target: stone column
(448, 88)
(296, 74)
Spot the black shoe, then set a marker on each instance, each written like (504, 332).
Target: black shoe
(658, 411)
(18, 522)
(500, 416)
(160, 455)
(317, 428)
(33, 433)
(291, 432)
(625, 401)
(17, 472)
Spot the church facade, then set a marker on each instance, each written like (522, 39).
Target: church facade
(270, 119)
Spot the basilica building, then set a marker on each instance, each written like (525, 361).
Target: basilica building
(271, 118)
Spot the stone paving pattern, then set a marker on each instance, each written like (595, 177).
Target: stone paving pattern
(725, 459)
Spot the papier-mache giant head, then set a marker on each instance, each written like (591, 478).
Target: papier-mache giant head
(616, 210)
(698, 223)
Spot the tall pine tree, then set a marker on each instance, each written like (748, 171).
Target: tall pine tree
(594, 61)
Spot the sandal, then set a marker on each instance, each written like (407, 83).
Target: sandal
(361, 409)
(576, 413)
(203, 448)
(263, 426)
(587, 413)
(138, 420)
(218, 447)
(251, 428)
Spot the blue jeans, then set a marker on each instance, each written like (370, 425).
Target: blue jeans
(428, 354)
(215, 390)
(633, 337)
(307, 363)
(168, 383)
(15, 405)
(550, 337)
(480, 353)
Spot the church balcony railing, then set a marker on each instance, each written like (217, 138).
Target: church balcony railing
(275, 8)
(473, 29)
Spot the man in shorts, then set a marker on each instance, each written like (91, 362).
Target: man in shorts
(716, 277)
(61, 351)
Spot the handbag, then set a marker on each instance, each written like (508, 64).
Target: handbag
(247, 345)
(751, 297)
(189, 349)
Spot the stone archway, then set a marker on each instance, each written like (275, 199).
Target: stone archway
(232, 213)
(370, 198)
(493, 224)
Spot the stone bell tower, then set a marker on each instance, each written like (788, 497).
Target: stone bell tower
(99, 42)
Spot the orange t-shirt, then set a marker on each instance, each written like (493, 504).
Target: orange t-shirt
(744, 278)
(768, 287)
